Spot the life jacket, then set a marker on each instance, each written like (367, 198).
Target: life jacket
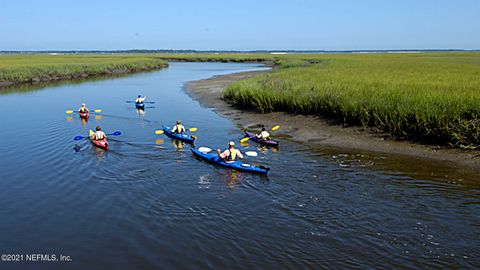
(179, 128)
(83, 109)
(139, 100)
(99, 135)
(264, 135)
(232, 155)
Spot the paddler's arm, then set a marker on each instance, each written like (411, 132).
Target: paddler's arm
(239, 154)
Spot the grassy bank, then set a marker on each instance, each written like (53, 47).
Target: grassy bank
(216, 57)
(16, 69)
(432, 97)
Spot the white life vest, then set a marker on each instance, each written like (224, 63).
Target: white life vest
(99, 135)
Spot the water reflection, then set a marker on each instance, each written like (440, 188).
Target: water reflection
(416, 168)
(140, 111)
(231, 178)
(179, 145)
(99, 153)
(204, 181)
(264, 149)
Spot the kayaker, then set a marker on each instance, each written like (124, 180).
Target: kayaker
(140, 100)
(178, 128)
(264, 135)
(83, 109)
(230, 154)
(99, 134)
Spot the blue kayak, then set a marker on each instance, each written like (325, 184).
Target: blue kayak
(140, 105)
(237, 165)
(181, 137)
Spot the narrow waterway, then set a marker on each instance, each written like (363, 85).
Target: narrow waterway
(148, 203)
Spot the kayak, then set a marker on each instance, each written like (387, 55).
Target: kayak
(84, 115)
(237, 165)
(103, 144)
(181, 137)
(140, 105)
(254, 138)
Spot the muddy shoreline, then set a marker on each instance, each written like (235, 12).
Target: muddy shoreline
(320, 131)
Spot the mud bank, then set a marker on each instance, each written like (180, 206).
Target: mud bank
(322, 132)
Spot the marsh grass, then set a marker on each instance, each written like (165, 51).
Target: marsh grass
(432, 97)
(39, 68)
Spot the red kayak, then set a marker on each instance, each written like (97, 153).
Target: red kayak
(84, 115)
(103, 144)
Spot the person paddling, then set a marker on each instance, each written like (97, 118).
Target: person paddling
(83, 108)
(178, 128)
(230, 154)
(98, 135)
(263, 135)
(140, 100)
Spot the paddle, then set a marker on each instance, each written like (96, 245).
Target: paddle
(72, 111)
(116, 133)
(248, 153)
(272, 129)
(204, 149)
(161, 131)
(148, 102)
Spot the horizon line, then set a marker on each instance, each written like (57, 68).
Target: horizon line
(237, 51)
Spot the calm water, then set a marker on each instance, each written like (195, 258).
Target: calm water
(148, 203)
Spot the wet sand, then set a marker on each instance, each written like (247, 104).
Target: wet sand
(321, 132)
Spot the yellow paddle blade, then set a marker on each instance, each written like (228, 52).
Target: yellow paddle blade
(159, 131)
(244, 139)
(276, 128)
(69, 111)
(98, 111)
(192, 129)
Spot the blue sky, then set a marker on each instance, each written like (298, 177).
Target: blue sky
(239, 25)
